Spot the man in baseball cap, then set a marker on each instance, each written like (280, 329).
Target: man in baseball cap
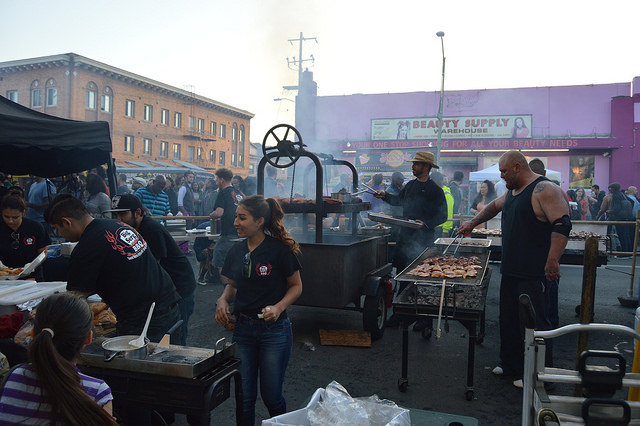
(423, 201)
(128, 209)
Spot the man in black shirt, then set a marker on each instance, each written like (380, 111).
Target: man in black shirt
(113, 260)
(225, 210)
(535, 231)
(422, 200)
(128, 209)
(454, 186)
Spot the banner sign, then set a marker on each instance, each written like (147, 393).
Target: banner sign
(391, 161)
(473, 127)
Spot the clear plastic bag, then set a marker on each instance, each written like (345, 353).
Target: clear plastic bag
(338, 408)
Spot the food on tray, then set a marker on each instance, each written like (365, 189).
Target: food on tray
(6, 271)
(448, 267)
(97, 307)
(482, 231)
(573, 235)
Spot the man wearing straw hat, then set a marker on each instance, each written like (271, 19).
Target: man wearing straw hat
(421, 200)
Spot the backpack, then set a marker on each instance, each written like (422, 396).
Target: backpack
(621, 207)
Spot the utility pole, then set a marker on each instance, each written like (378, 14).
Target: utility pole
(299, 61)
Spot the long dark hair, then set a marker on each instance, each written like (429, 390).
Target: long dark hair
(95, 184)
(491, 193)
(14, 202)
(270, 210)
(52, 356)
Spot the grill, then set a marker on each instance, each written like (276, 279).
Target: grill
(185, 380)
(464, 301)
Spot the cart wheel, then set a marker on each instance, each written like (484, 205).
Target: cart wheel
(403, 384)
(374, 314)
(426, 333)
(278, 146)
(469, 395)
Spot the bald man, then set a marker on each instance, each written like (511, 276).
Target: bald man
(535, 231)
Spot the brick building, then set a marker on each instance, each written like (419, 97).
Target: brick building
(149, 120)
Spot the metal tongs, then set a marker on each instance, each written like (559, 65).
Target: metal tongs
(453, 241)
(367, 189)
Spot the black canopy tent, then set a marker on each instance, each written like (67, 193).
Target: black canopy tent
(43, 145)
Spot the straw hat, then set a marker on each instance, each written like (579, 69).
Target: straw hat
(425, 157)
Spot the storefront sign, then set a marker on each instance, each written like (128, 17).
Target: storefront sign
(483, 144)
(384, 161)
(473, 127)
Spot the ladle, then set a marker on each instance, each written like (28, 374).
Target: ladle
(139, 342)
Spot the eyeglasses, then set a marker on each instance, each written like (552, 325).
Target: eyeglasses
(247, 265)
(15, 244)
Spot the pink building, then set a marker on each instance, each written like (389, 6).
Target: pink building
(587, 133)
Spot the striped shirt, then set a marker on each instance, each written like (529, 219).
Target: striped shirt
(22, 401)
(158, 204)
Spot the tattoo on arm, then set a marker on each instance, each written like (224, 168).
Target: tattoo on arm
(540, 186)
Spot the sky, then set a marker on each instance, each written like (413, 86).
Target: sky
(236, 51)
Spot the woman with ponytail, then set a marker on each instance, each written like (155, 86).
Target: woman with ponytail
(264, 279)
(50, 389)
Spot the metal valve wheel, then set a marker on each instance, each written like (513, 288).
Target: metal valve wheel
(277, 147)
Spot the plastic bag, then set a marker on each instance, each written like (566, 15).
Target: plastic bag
(338, 408)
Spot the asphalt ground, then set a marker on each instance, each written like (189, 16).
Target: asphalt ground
(437, 368)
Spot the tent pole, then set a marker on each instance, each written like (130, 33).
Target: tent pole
(111, 176)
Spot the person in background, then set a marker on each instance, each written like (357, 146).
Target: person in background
(100, 171)
(198, 189)
(397, 183)
(444, 229)
(270, 182)
(250, 186)
(41, 192)
(486, 195)
(456, 193)
(263, 280)
(344, 184)
(153, 197)
(170, 190)
(128, 209)
(632, 193)
(573, 204)
(4, 181)
(137, 183)
(595, 200)
(209, 197)
(238, 183)
(123, 188)
(49, 388)
(376, 203)
(581, 197)
(73, 186)
(618, 208)
(185, 196)
(535, 231)
(97, 202)
(21, 239)
(225, 210)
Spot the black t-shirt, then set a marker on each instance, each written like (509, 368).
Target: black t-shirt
(113, 260)
(228, 200)
(172, 259)
(261, 280)
(31, 236)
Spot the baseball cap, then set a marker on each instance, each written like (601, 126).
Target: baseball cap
(125, 203)
(140, 180)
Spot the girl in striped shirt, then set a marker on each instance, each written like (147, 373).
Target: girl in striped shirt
(50, 389)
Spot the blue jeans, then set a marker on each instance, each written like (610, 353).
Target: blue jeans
(264, 348)
(186, 305)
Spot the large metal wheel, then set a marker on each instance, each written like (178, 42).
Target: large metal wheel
(277, 146)
(374, 313)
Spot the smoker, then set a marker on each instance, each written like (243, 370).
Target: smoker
(182, 379)
(342, 268)
(459, 299)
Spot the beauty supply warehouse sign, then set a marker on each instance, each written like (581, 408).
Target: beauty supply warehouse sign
(471, 127)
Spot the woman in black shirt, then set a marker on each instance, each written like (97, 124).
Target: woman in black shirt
(21, 239)
(264, 279)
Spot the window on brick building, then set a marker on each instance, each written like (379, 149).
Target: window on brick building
(221, 159)
(191, 153)
(52, 96)
(146, 146)
(129, 108)
(200, 125)
(90, 99)
(234, 144)
(241, 147)
(192, 123)
(12, 95)
(164, 117)
(148, 112)
(223, 131)
(36, 98)
(213, 127)
(164, 149)
(212, 156)
(128, 144)
(105, 103)
(200, 150)
(177, 120)
(176, 151)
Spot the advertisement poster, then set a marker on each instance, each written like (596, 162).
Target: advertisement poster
(581, 171)
(467, 127)
(385, 161)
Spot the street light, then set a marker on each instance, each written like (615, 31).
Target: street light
(439, 143)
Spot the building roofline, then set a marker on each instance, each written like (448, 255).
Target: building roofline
(76, 60)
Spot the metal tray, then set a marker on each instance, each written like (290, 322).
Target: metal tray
(437, 251)
(398, 221)
(470, 245)
(178, 361)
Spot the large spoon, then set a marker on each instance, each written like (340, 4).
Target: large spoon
(139, 342)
